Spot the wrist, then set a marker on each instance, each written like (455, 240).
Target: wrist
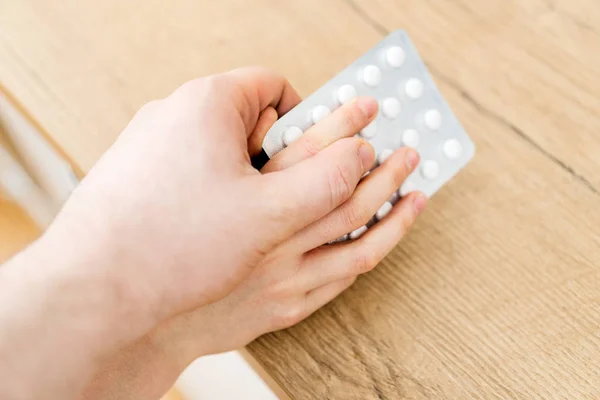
(88, 281)
(62, 313)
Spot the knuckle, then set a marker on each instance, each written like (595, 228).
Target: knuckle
(283, 209)
(309, 147)
(399, 175)
(290, 316)
(355, 215)
(352, 119)
(407, 222)
(200, 88)
(363, 262)
(339, 184)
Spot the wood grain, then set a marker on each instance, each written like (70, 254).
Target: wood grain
(494, 294)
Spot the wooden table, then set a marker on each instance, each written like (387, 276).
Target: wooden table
(496, 292)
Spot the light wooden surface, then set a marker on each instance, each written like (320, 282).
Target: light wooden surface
(496, 292)
(17, 230)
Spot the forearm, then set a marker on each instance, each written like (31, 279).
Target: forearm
(61, 315)
(140, 371)
(149, 367)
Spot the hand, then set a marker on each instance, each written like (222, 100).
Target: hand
(292, 281)
(182, 215)
(171, 218)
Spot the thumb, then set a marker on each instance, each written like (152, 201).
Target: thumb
(311, 189)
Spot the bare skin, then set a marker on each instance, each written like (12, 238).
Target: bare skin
(140, 264)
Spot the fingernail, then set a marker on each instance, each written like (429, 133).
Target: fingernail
(366, 155)
(419, 203)
(367, 105)
(412, 159)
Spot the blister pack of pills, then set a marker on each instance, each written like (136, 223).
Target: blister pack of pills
(412, 112)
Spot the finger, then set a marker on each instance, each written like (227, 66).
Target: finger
(372, 192)
(260, 88)
(297, 196)
(322, 295)
(266, 119)
(332, 263)
(346, 121)
(306, 304)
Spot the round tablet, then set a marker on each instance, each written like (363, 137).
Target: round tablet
(346, 93)
(384, 155)
(371, 75)
(406, 188)
(410, 138)
(391, 107)
(452, 149)
(414, 88)
(395, 57)
(433, 120)
(291, 134)
(358, 232)
(369, 131)
(384, 210)
(318, 113)
(430, 170)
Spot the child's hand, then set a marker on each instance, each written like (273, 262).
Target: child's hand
(293, 280)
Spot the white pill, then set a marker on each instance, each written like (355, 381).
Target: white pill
(391, 107)
(452, 149)
(395, 57)
(414, 88)
(406, 188)
(410, 138)
(358, 232)
(371, 75)
(346, 93)
(433, 120)
(384, 210)
(430, 170)
(318, 113)
(369, 131)
(384, 155)
(291, 134)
